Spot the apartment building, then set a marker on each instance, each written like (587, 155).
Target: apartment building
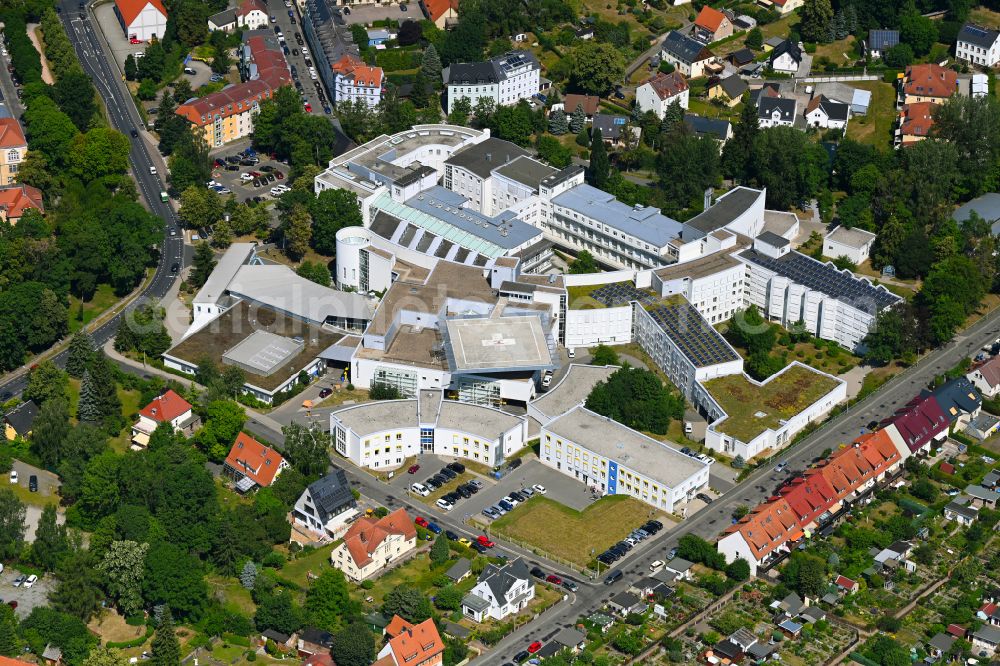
(354, 81)
(505, 79)
(977, 45)
(13, 150)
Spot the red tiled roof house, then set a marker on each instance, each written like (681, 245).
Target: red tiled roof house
(657, 93)
(252, 465)
(371, 545)
(168, 407)
(711, 25)
(411, 644)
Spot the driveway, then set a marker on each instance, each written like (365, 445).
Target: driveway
(201, 76)
(27, 598)
(112, 31)
(48, 483)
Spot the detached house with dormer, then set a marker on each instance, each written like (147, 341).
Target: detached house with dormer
(410, 644)
(500, 591)
(325, 507)
(168, 407)
(252, 465)
(371, 545)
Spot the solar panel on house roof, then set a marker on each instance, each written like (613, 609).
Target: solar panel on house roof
(614, 295)
(688, 330)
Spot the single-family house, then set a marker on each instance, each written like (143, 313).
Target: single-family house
(17, 199)
(325, 506)
(986, 639)
(460, 570)
(442, 13)
(52, 655)
(20, 420)
(168, 407)
(855, 244)
(13, 150)
(247, 15)
(679, 569)
(626, 603)
(847, 585)
(711, 25)
(982, 425)
(313, 641)
(956, 630)
(660, 91)
(978, 45)
(717, 128)
(589, 103)
(615, 129)
(783, 7)
(985, 377)
(688, 55)
(826, 113)
(280, 639)
(252, 465)
(776, 111)
(894, 557)
(961, 510)
(500, 591)
(410, 644)
(958, 399)
(729, 90)
(917, 425)
(786, 57)
(319, 659)
(928, 82)
(915, 123)
(371, 545)
(586, 32)
(880, 41)
(379, 36)
(141, 19)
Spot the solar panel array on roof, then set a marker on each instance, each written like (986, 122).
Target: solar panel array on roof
(824, 278)
(687, 329)
(614, 295)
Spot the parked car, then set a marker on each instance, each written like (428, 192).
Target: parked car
(420, 489)
(704, 498)
(13, 476)
(33, 483)
(451, 536)
(445, 504)
(534, 647)
(456, 467)
(538, 573)
(672, 554)
(570, 585)
(447, 473)
(554, 579)
(19, 581)
(434, 527)
(32, 579)
(325, 392)
(538, 488)
(479, 548)
(485, 540)
(463, 491)
(613, 576)
(521, 656)
(420, 520)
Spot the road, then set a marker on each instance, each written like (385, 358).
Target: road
(124, 118)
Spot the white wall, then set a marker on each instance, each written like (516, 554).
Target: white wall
(586, 328)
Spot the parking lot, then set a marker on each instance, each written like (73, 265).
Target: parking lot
(245, 189)
(112, 31)
(366, 14)
(27, 598)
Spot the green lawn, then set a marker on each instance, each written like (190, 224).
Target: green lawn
(753, 408)
(130, 406)
(103, 299)
(233, 593)
(316, 562)
(37, 499)
(573, 535)
(876, 127)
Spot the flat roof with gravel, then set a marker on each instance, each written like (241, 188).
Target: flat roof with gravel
(372, 417)
(606, 437)
(573, 388)
(475, 419)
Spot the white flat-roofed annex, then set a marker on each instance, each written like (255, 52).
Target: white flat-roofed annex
(629, 448)
(515, 342)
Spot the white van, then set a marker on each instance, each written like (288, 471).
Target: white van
(445, 504)
(656, 567)
(152, 170)
(420, 489)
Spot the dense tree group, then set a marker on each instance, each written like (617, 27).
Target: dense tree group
(637, 398)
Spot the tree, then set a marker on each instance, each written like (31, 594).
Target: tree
(45, 382)
(248, 575)
(51, 544)
(754, 39)
(223, 421)
(638, 399)
(77, 591)
(410, 32)
(306, 448)
(99, 152)
(104, 656)
(99, 402)
(448, 597)
(131, 71)
(596, 67)
(199, 207)
(806, 574)
(552, 151)
(439, 551)
(276, 610)
(12, 526)
(789, 164)
(558, 123)
(174, 576)
(583, 263)
(918, 31)
(298, 232)
(738, 570)
(816, 16)
(75, 95)
(354, 646)
(597, 171)
(899, 56)
(142, 330)
(328, 600)
(331, 211)
(604, 355)
(223, 236)
(81, 351)
(408, 602)
(203, 263)
(430, 65)
(165, 648)
(461, 111)
(886, 651)
(578, 119)
(124, 568)
(9, 643)
(737, 152)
